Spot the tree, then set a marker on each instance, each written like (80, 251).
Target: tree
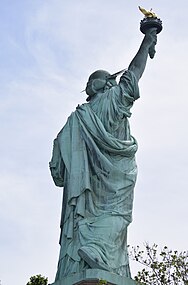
(161, 267)
(38, 280)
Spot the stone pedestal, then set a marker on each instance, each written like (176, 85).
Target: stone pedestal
(93, 277)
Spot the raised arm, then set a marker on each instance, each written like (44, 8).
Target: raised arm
(138, 64)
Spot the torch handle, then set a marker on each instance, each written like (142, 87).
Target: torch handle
(152, 51)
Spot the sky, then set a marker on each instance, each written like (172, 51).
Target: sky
(48, 48)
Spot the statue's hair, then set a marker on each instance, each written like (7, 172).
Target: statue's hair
(97, 81)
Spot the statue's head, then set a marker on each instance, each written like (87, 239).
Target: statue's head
(99, 80)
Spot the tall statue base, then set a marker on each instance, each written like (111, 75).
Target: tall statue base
(93, 277)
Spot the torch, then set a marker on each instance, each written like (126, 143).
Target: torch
(150, 21)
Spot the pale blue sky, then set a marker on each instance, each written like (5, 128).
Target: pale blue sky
(48, 49)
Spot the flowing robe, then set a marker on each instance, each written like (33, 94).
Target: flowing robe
(94, 160)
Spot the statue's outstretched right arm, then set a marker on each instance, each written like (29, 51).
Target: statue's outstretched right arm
(138, 64)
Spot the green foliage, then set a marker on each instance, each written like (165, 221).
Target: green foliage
(38, 280)
(161, 267)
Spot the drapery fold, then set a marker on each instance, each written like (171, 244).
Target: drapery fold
(94, 160)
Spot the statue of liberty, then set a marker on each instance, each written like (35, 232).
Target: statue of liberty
(94, 161)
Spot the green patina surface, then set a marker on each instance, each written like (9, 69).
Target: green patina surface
(95, 274)
(94, 160)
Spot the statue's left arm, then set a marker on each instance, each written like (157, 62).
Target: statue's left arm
(56, 165)
(138, 64)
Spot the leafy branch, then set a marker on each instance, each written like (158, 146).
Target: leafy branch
(161, 267)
